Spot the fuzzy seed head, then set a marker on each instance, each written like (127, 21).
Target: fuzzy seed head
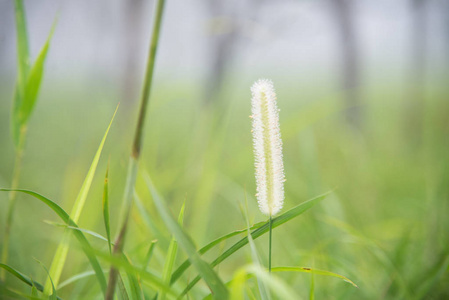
(267, 148)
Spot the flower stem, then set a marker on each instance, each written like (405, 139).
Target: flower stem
(269, 245)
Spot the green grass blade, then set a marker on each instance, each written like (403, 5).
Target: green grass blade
(22, 277)
(13, 294)
(261, 230)
(122, 264)
(181, 269)
(34, 80)
(277, 286)
(23, 60)
(204, 269)
(63, 247)
(75, 278)
(149, 255)
(264, 293)
(106, 208)
(313, 271)
(152, 227)
(90, 232)
(171, 255)
(312, 287)
(134, 284)
(123, 294)
(53, 295)
(87, 248)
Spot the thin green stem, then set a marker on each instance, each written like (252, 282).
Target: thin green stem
(269, 245)
(136, 147)
(12, 197)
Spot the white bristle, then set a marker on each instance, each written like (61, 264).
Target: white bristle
(267, 148)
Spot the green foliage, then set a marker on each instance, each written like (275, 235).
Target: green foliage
(204, 269)
(28, 78)
(63, 248)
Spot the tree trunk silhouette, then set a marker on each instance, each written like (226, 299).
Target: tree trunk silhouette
(132, 43)
(350, 68)
(415, 103)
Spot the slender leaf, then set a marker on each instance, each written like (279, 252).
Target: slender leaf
(23, 61)
(63, 247)
(77, 277)
(149, 255)
(87, 248)
(312, 271)
(204, 269)
(171, 254)
(90, 232)
(22, 277)
(34, 80)
(123, 294)
(53, 295)
(134, 284)
(279, 220)
(106, 208)
(122, 264)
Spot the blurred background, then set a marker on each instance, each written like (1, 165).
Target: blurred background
(364, 96)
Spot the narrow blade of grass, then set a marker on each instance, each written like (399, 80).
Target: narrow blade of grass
(63, 248)
(53, 295)
(22, 277)
(171, 254)
(149, 255)
(23, 60)
(34, 80)
(121, 263)
(106, 208)
(181, 269)
(261, 230)
(123, 294)
(134, 284)
(313, 271)
(204, 269)
(90, 232)
(87, 248)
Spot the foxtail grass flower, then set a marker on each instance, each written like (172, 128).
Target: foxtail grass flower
(267, 148)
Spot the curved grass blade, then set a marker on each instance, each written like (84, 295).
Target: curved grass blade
(204, 269)
(181, 269)
(87, 248)
(279, 220)
(53, 295)
(13, 294)
(106, 208)
(122, 264)
(313, 271)
(34, 80)
(279, 289)
(90, 232)
(63, 247)
(23, 61)
(123, 294)
(149, 255)
(171, 254)
(22, 277)
(134, 284)
(76, 277)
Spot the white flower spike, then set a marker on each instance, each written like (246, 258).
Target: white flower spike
(267, 148)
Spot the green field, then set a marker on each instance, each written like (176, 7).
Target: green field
(383, 223)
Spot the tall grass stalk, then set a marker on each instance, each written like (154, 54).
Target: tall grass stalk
(268, 152)
(29, 78)
(12, 197)
(137, 146)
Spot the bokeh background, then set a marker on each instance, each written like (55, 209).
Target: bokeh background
(364, 98)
